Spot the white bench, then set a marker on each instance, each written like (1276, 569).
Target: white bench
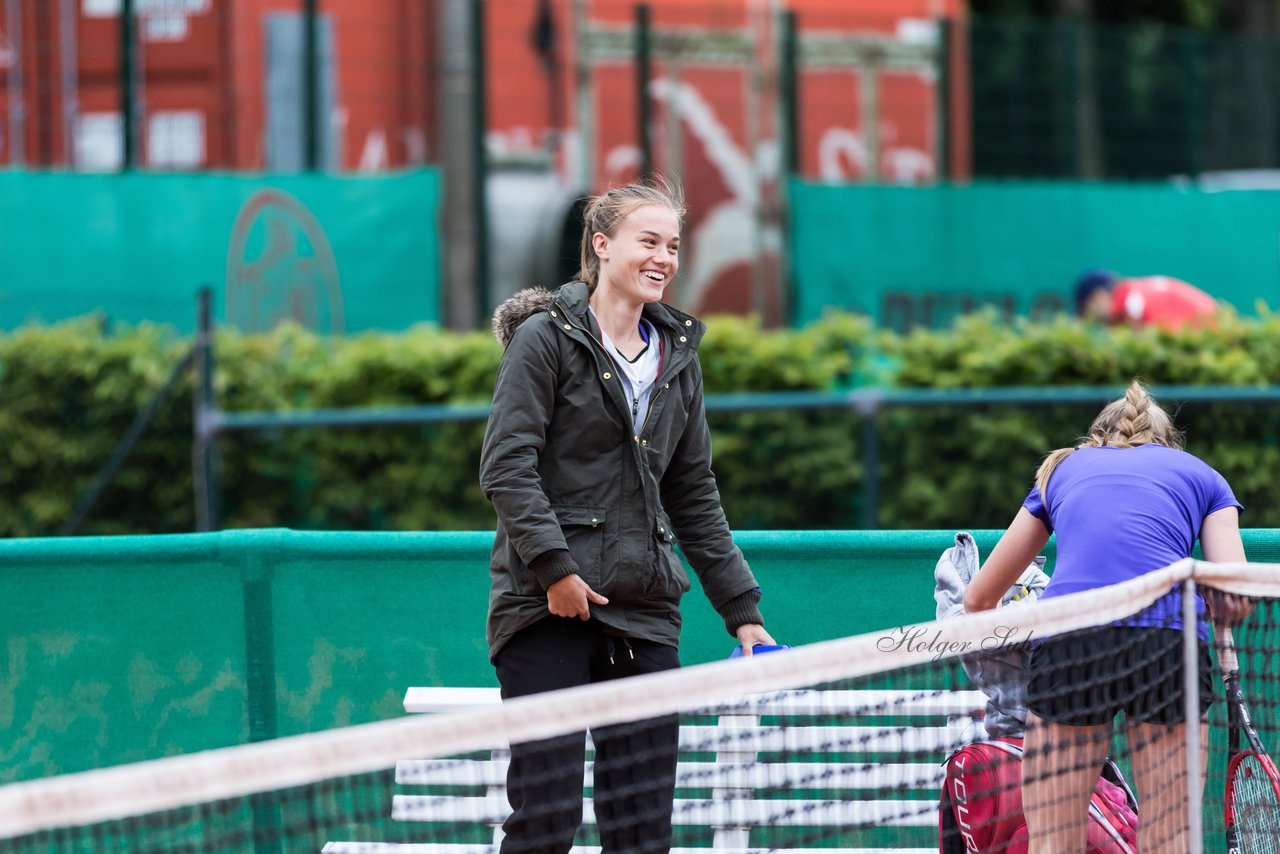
(857, 790)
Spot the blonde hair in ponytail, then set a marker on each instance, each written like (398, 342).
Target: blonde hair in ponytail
(1133, 420)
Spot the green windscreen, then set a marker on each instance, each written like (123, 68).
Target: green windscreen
(920, 256)
(118, 649)
(333, 254)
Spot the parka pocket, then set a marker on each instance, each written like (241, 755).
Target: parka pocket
(583, 528)
(670, 580)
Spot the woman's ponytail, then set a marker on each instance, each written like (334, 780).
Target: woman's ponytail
(1133, 420)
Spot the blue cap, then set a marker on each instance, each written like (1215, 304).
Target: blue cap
(1091, 280)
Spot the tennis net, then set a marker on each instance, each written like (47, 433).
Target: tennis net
(842, 744)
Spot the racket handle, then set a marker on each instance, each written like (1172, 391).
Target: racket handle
(1226, 650)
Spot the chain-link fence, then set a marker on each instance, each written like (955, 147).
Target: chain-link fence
(253, 85)
(904, 94)
(1070, 99)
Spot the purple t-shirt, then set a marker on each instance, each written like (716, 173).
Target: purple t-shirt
(1122, 512)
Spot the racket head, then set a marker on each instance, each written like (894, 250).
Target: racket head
(1252, 803)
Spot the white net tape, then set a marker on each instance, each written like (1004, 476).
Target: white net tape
(151, 787)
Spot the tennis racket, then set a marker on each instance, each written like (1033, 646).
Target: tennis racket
(1251, 804)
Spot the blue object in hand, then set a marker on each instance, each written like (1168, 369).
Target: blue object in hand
(759, 649)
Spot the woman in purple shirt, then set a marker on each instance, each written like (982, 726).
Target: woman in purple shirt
(1124, 502)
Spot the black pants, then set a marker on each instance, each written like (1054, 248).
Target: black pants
(635, 763)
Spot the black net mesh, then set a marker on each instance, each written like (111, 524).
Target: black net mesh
(921, 747)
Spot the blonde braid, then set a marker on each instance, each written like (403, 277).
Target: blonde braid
(1134, 426)
(1136, 419)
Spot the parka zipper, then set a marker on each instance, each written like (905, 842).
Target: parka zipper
(653, 401)
(570, 319)
(656, 395)
(635, 401)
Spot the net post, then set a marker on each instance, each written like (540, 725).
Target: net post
(1191, 701)
(738, 755)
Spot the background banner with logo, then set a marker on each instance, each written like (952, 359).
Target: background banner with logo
(335, 254)
(920, 256)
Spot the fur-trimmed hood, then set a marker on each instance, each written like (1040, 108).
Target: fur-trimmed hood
(517, 309)
(573, 299)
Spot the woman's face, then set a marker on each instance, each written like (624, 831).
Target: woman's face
(642, 256)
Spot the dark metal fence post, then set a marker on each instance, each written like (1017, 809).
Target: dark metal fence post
(16, 88)
(128, 64)
(260, 678)
(644, 73)
(788, 95)
(946, 32)
(869, 408)
(125, 446)
(479, 162)
(310, 88)
(204, 418)
(1194, 52)
(788, 112)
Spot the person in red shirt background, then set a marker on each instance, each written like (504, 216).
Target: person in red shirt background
(1161, 301)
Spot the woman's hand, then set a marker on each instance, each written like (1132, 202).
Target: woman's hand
(572, 597)
(750, 634)
(1227, 609)
(1220, 542)
(1018, 546)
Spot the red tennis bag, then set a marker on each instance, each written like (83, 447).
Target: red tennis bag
(981, 806)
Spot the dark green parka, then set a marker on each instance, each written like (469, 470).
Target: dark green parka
(565, 470)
